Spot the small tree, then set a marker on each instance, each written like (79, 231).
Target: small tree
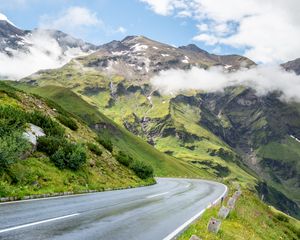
(11, 148)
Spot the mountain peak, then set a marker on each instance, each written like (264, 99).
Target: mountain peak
(4, 18)
(133, 37)
(193, 48)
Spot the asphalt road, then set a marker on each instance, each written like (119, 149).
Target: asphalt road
(148, 213)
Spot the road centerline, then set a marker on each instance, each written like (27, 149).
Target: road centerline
(37, 223)
(157, 195)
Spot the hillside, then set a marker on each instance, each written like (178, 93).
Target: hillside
(36, 171)
(223, 134)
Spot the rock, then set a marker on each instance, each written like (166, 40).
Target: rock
(231, 202)
(194, 237)
(223, 212)
(214, 225)
(237, 194)
(33, 133)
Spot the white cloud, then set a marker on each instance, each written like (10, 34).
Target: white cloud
(72, 20)
(263, 79)
(44, 53)
(207, 38)
(121, 30)
(162, 7)
(269, 30)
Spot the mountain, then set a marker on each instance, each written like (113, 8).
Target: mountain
(235, 135)
(73, 128)
(19, 47)
(14, 39)
(138, 58)
(292, 66)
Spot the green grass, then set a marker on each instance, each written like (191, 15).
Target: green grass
(40, 176)
(36, 174)
(286, 154)
(250, 220)
(125, 141)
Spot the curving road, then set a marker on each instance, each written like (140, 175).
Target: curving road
(149, 213)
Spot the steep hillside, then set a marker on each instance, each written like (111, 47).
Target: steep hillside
(67, 158)
(223, 134)
(122, 140)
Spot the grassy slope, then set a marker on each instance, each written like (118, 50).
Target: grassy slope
(37, 174)
(250, 220)
(288, 152)
(163, 165)
(94, 88)
(137, 103)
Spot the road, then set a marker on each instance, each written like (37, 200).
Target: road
(148, 213)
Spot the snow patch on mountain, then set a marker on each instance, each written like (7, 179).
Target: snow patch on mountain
(4, 18)
(139, 47)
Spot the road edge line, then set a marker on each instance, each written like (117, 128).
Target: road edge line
(181, 228)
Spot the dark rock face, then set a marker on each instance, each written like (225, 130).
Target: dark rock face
(10, 37)
(292, 66)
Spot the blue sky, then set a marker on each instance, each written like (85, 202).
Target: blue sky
(133, 15)
(266, 31)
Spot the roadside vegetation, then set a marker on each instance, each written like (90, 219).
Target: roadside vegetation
(250, 219)
(68, 158)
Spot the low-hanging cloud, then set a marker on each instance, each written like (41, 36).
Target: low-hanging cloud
(43, 52)
(264, 79)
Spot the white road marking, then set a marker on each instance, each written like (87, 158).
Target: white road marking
(156, 195)
(37, 223)
(175, 233)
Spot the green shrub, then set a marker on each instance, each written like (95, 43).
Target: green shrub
(10, 91)
(50, 144)
(141, 169)
(11, 118)
(106, 143)
(50, 127)
(71, 156)
(282, 217)
(94, 148)
(68, 122)
(11, 148)
(124, 159)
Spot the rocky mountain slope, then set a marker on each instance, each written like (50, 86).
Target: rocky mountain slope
(292, 66)
(14, 39)
(138, 58)
(53, 48)
(219, 133)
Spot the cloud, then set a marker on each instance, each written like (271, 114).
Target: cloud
(162, 7)
(268, 31)
(43, 52)
(264, 79)
(121, 30)
(72, 20)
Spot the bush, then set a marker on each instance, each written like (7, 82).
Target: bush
(11, 149)
(11, 118)
(50, 127)
(142, 170)
(68, 122)
(50, 144)
(94, 148)
(106, 143)
(124, 159)
(71, 156)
